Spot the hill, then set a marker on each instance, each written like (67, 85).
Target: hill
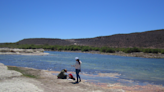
(148, 39)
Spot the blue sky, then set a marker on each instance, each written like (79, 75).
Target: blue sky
(67, 19)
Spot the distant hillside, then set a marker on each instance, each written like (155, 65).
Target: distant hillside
(149, 39)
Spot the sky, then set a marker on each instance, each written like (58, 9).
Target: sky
(73, 19)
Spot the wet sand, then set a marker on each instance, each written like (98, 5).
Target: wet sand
(129, 88)
(137, 88)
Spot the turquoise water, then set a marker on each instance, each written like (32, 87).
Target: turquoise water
(138, 70)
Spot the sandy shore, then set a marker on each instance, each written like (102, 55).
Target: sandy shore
(20, 79)
(33, 80)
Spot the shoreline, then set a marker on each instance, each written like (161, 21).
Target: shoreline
(45, 81)
(15, 51)
(10, 51)
(24, 79)
(134, 54)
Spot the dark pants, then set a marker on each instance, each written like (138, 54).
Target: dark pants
(64, 77)
(77, 74)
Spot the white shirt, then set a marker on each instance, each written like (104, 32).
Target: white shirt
(77, 65)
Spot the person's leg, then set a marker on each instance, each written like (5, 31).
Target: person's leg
(65, 77)
(77, 75)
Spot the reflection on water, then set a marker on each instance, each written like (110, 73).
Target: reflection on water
(130, 69)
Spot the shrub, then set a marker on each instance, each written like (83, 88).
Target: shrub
(130, 50)
(53, 48)
(103, 49)
(107, 50)
(135, 49)
(118, 49)
(127, 50)
(155, 50)
(162, 51)
(75, 48)
(65, 48)
(95, 49)
(147, 51)
(110, 50)
(59, 48)
(84, 49)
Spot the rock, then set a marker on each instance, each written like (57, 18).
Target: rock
(5, 73)
(11, 81)
(17, 85)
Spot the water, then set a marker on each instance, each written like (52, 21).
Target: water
(132, 70)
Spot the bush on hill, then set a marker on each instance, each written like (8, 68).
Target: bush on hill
(81, 48)
(162, 51)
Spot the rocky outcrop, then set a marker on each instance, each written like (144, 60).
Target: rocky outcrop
(22, 51)
(13, 81)
(5, 73)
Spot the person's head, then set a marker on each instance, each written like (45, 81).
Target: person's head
(65, 70)
(77, 58)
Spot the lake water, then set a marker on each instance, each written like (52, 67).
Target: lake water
(130, 70)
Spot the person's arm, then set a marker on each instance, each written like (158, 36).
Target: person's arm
(73, 65)
(65, 75)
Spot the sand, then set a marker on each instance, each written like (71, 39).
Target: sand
(13, 81)
(44, 81)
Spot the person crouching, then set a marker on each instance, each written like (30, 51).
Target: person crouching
(71, 76)
(62, 74)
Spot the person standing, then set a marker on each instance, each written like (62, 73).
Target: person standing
(77, 68)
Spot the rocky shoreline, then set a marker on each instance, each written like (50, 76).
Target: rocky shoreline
(15, 51)
(20, 79)
(23, 79)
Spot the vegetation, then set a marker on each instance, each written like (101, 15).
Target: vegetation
(81, 48)
(162, 51)
(22, 71)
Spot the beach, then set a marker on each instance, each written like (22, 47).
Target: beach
(35, 80)
(18, 79)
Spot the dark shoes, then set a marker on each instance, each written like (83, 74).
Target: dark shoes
(78, 81)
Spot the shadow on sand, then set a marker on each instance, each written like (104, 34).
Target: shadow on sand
(74, 82)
